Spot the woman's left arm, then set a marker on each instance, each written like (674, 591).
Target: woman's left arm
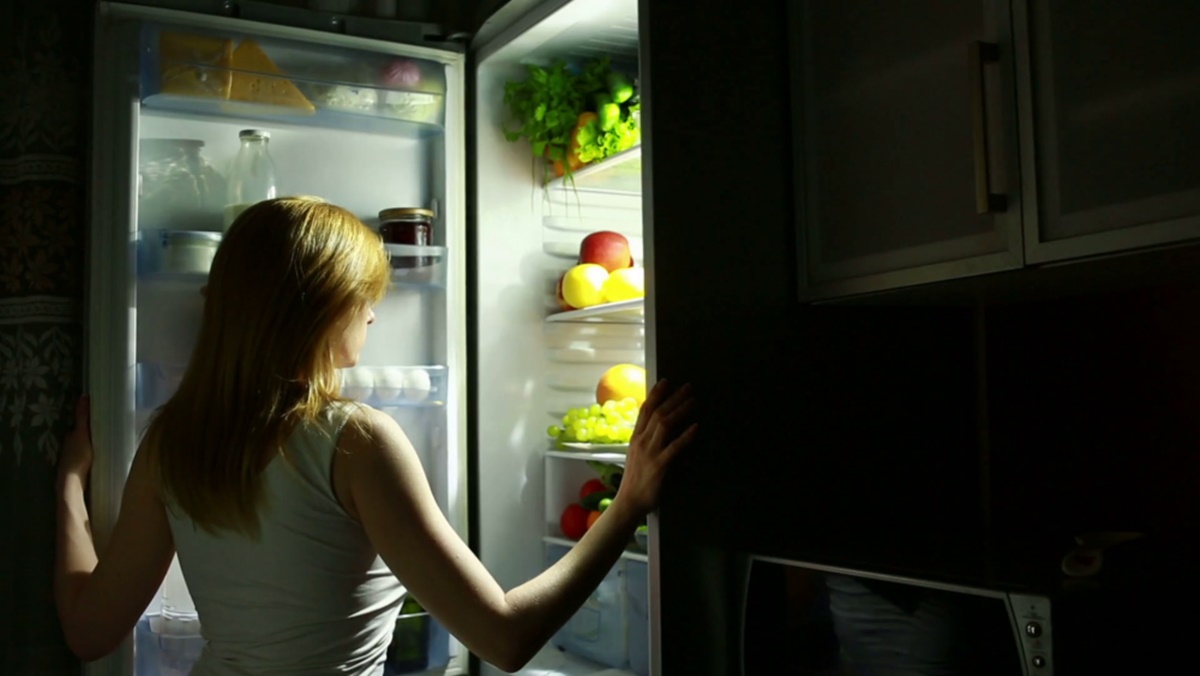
(99, 602)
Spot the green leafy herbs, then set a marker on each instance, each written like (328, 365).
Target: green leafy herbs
(546, 104)
(550, 104)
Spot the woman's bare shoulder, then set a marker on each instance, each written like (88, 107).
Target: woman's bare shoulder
(369, 430)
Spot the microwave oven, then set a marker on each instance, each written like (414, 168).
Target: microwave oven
(810, 619)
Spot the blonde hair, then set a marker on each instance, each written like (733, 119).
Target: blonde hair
(286, 277)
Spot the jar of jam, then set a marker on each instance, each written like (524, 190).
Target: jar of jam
(411, 226)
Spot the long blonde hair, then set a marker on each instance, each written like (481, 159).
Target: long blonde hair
(287, 275)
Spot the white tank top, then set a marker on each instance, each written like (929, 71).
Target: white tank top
(311, 596)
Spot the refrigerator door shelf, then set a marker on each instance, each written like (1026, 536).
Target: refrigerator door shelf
(620, 174)
(208, 73)
(176, 255)
(396, 386)
(625, 312)
(580, 450)
(420, 643)
(418, 266)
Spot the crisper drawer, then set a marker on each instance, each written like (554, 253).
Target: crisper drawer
(612, 627)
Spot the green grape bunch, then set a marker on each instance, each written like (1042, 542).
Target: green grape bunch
(610, 423)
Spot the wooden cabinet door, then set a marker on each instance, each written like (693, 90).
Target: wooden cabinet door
(905, 137)
(1111, 105)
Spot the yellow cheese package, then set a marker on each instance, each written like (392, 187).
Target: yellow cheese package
(195, 65)
(253, 81)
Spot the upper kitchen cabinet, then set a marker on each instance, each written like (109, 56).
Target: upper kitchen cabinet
(1110, 103)
(906, 142)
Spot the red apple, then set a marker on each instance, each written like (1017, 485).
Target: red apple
(558, 294)
(607, 249)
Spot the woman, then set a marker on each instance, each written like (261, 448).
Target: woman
(294, 511)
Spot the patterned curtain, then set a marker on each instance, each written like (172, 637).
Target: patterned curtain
(45, 62)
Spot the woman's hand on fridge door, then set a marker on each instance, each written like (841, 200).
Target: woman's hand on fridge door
(660, 434)
(75, 455)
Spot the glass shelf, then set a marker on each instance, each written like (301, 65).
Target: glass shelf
(623, 312)
(616, 454)
(620, 174)
(203, 72)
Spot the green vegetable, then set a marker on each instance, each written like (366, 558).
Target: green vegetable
(592, 501)
(610, 115)
(605, 504)
(619, 87)
(546, 104)
(610, 474)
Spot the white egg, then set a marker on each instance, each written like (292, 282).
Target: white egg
(389, 383)
(357, 384)
(417, 385)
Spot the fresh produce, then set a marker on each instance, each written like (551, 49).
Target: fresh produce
(574, 521)
(596, 495)
(572, 118)
(610, 474)
(583, 285)
(622, 382)
(558, 295)
(626, 284)
(608, 423)
(607, 249)
(592, 486)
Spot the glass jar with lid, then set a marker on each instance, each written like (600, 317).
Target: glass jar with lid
(177, 187)
(407, 225)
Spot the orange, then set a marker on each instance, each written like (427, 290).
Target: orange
(592, 517)
(621, 381)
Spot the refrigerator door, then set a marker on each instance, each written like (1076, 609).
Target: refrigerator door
(531, 360)
(365, 124)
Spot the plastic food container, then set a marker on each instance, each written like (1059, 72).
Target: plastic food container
(189, 251)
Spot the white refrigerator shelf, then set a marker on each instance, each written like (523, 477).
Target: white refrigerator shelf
(614, 453)
(624, 312)
(620, 174)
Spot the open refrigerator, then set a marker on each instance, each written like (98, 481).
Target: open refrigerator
(471, 352)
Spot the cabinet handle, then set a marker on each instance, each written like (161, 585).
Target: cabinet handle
(980, 54)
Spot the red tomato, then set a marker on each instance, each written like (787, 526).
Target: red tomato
(590, 487)
(574, 521)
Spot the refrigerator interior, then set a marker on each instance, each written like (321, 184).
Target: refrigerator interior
(534, 361)
(352, 149)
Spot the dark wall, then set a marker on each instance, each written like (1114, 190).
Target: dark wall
(1094, 413)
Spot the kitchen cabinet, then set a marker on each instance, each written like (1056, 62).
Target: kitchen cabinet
(905, 138)
(1110, 98)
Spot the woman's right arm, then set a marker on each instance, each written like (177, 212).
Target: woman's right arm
(391, 497)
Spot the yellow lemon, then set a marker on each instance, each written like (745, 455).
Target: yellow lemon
(581, 286)
(625, 284)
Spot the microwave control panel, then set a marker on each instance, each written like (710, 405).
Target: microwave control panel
(1031, 622)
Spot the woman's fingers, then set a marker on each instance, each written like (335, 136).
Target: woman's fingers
(649, 405)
